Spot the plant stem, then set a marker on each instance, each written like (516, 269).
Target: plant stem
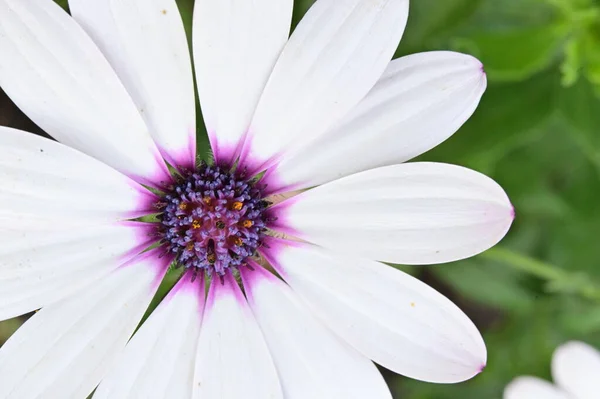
(557, 278)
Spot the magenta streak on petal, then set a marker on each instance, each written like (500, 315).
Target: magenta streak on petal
(184, 158)
(231, 287)
(214, 143)
(162, 175)
(216, 287)
(157, 260)
(211, 297)
(145, 202)
(250, 163)
(274, 184)
(224, 155)
(159, 177)
(189, 284)
(253, 278)
(227, 286)
(272, 250)
(144, 238)
(279, 213)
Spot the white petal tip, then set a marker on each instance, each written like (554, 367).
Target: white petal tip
(475, 359)
(526, 387)
(573, 355)
(515, 387)
(469, 373)
(506, 217)
(575, 368)
(499, 220)
(483, 74)
(476, 67)
(571, 347)
(455, 377)
(508, 220)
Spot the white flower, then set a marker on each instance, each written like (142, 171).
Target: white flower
(310, 111)
(576, 374)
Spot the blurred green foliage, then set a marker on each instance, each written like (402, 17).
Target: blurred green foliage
(537, 132)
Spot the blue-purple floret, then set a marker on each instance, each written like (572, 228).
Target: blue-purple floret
(213, 220)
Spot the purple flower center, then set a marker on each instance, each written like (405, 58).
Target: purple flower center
(213, 220)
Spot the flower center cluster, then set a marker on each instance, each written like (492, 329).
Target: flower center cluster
(213, 220)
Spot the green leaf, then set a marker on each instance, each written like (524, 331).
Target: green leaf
(515, 55)
(8, 327)
(572, 62)
(171, 278)
(495, 15)
(63, 3)
(581, 317)
(580, 108)
(488, 284)
(591, 45)
(186, 9)
(300, 8)
(431, 19)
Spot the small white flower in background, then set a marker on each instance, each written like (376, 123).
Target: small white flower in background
(575, 371)
(325, 108)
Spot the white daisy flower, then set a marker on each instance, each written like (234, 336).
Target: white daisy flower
(575, 371)
(298, 305)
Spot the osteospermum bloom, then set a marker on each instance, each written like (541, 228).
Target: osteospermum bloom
(575, 371)
(285, 226)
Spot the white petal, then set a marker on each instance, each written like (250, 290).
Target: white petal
(334, 57)
(416, 213)
(41, 268)
(158, 362)
(532, 388)
(387, 315)
(66, 348)
(233, 360)
(419, 102)
(54, 72)
(311, 361)
(145, 42)
(576, 369)
(44, 184)
(236, 45)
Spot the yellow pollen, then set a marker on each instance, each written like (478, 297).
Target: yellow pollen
(211, 258)
(183, 206)
(196, 224)
(237, 205)
(238, 241)
(247, 223)
(207, 200)
(190, 246)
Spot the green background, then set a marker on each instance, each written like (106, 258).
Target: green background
(537, 132)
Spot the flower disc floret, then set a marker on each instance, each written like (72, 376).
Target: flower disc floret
(212, 219)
